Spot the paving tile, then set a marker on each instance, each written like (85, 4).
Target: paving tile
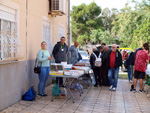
(93, 100)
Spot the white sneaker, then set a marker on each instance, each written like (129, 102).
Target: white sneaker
(114, 89)
(111, 87)
(130, 81)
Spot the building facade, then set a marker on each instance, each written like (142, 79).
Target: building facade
(24, 24)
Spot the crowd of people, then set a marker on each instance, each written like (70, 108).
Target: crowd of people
(107, 74)
(104, 61)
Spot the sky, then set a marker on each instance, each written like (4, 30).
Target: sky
(119, 4)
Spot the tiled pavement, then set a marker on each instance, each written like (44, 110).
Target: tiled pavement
(93, 100)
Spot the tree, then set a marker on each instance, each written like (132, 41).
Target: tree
(108, 16)
(84, 19)
(141, 34)
(103, 36)
(132, 25)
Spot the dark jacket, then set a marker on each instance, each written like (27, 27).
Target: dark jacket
(118, 61)
(93, 58)
(105, 56)
(129, 60)
(59, 54)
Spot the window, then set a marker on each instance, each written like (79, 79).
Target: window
(8, 33)
(61, 32)
(47, 35)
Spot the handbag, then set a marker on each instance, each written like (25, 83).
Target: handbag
(37, 69)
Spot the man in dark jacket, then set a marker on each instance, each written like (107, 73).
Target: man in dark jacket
(96, 70)
(114, 61)
(127, 64)
(60, 54)
(105, 80)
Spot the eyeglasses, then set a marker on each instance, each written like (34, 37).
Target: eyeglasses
(44, 44)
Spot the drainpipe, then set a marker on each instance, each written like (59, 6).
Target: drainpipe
(69, 39)
(26, 44)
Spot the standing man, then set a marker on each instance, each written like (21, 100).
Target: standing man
(60, 54)
(74, 53)
(96, 69)
(141, 60)
(114, 61)
(101, 52)
(105, 80)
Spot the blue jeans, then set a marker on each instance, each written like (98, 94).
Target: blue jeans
(113, 76)
(43, 76)
(129, 73)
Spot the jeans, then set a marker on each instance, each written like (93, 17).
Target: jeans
(43, 77)
(129, 73)
(113, 76)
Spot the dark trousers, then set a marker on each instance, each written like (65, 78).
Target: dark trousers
(97, 74)
(103, 74)
(105, 80)
(59, 78)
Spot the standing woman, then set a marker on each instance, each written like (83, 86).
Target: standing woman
(43, 58)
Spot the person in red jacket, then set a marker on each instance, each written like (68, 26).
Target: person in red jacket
(114, 61)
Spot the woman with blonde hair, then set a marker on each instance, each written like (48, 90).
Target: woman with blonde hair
(43, 58)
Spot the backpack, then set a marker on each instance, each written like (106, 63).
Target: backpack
(30, 95)
(98, 61)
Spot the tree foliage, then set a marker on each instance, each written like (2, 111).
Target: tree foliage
(102, 36)
(84, 19)
(132, 25)
(108, 16)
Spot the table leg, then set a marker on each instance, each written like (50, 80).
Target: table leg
(69, 89)
(55, 91)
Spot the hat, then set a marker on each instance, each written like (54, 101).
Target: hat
(99, 47)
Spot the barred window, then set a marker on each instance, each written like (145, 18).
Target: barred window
(9, 41)
(46, 32)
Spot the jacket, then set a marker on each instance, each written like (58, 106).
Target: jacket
(60, 54)
(129, 60)
(118, 60)
(74, 54)
(42, 58)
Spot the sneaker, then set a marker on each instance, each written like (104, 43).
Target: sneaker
(45, 95)
(134, 90)
(40, 95)
(130, 81)
(114, 89)
(111, 87)
(141, 91)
